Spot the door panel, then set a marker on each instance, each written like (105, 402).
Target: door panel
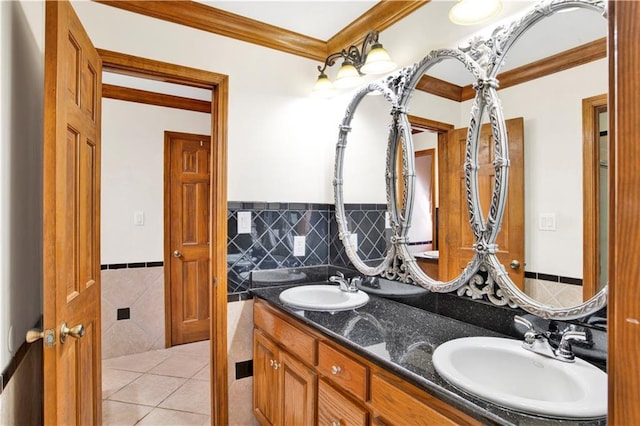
(71, 212)
(510, 241)
(458, 248)
(298, 392)
(266, 399)
(188, 187)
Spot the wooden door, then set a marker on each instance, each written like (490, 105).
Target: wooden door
(266, 386)
(457, 250)
(188, 177)
(71, 212)
(510, 239)
(298, 392)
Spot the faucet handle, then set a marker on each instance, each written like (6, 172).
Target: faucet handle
(564, 348)
(340, 274)
(531, 334)
(523, 322)
(355, 281)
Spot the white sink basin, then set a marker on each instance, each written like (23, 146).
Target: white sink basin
(503, 372)
(323, 298)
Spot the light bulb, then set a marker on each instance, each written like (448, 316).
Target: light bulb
(378, 61)
(348, 76)
(323, 87)
(471, 12)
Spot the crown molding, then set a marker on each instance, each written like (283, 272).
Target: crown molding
(152, 98)
(580, 55)
(380, 17)
(217, 21)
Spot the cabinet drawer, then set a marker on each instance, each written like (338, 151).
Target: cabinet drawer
(336, 409)
(342, 370)
(296, 341)
(398, 407)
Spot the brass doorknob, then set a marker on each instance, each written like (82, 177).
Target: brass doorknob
(177, 253)
(77, 331)
(34, 335)
(514, 264)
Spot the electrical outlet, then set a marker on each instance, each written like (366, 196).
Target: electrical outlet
(299, 245)
(244, 222)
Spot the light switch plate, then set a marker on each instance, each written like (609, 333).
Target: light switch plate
(299, 246)
(138, 218)
(547, 222)
(353, 239)
(244, 222)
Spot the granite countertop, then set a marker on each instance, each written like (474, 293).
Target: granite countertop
(401, 339)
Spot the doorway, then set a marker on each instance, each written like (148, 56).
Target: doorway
(216, 277)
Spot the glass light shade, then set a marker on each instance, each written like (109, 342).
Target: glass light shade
(378, 61)
(348, 76)
(471, 12)
(323, 88)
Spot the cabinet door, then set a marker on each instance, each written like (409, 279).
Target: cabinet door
(298, 391)
(266, 386)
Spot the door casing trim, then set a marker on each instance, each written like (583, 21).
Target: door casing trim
(121, 63)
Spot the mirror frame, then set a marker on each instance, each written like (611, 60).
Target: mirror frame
(485, 232)
(500, 43)
(397, 216)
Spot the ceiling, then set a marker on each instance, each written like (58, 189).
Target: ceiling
(315, 18)
(323, 19)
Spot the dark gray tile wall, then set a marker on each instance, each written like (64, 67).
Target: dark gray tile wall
(273, 226)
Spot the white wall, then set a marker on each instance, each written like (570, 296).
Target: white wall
(133, 176)
(552, 111)
(21, 129)
(281, 140)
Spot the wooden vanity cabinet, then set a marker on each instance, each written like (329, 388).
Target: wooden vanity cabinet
(303, 378)
(284, 388)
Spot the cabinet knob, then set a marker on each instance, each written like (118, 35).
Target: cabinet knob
(335, 369)
(335, 423)
(276, 365)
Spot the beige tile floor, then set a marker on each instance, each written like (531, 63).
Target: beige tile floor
(163, 387)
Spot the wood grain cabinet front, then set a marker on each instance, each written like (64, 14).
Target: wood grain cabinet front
(395, 403)
(335, 409)
(303, 378)
(284, 388)
(343, 370)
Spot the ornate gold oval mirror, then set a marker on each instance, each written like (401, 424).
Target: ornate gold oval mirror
(558, 172)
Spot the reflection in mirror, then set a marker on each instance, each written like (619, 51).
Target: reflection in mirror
(440, 237)
(459, 223)
(565, 185)
(361, 198)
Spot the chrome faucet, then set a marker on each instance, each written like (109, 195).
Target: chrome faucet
(346, 284)
(538, 341)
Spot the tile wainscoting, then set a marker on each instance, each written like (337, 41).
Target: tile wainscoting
(269, 244)
(133, 306)
(136, 296)
(553, 290)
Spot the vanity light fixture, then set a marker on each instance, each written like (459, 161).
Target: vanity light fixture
(471, 12)
(371, 58)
